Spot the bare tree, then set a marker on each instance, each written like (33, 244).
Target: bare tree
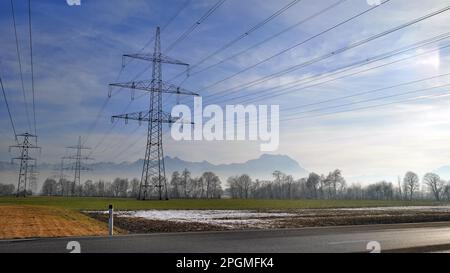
(279, 177)
(134, 188)
(89, 188)
(312, 185)
(244, 184)
(435, 184)
(49, 187)
(175, 185)
(213, 187)
(410, 184)
(335, 183)
(186, 180)
(120, 187)
(446, 191)
(288, 180)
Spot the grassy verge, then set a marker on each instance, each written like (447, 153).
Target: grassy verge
(93, 203)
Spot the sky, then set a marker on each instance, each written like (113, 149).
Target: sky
(324, 125)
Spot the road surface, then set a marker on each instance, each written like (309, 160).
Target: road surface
(425, 237)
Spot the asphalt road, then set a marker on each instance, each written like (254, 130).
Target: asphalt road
(428, 237)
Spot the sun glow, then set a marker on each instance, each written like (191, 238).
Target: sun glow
(430, 60)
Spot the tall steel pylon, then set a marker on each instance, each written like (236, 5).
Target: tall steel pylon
(77, 165)
(25, 146)
(153, 172)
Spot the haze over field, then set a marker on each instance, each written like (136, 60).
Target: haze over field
(260, 168)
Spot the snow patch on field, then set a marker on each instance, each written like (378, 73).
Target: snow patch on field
(415, 208)
(226, 218)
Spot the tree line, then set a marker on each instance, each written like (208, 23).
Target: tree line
(282, 186)
(334, 186)
(181, 185)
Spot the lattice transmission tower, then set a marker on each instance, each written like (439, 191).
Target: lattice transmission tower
(60, 177)
(33, 178)
(25, 146)
(153, 172)
(77, 165)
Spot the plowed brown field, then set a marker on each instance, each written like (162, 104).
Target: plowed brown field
(23, 221)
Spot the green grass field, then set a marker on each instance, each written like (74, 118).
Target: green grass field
(95, 203)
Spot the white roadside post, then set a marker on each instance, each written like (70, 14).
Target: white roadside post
(111, 220)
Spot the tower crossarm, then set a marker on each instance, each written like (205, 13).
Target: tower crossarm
(82, 168)
(74, 157)
(27, 158)
(146, 85)
(157, 58)
(27, 135)
(79, 147)
(145, 116)
(27, 146)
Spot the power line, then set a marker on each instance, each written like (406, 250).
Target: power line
(9, 111)
(260, 95)
(112, 127)
(195, 25)
(106, 135)
(290, 48)
(338, 51)
(32, 66)
(170, 21)
(369, 100)
(366, 92)
(122, 153)
(177, 13)
(265, 40)
(369, 107)
(245, 34)
(20, 65)
(122, 140)
(153, 171)
(359, 72)
(105, 103)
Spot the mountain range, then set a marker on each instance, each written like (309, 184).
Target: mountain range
(259, 168)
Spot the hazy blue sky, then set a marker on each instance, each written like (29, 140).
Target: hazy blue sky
(78, 52)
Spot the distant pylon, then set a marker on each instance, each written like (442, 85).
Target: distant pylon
(33, 178)
(60, 177)
(153, 172)
(24, 158)
(77, 165)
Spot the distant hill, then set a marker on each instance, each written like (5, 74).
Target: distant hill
(260, 168)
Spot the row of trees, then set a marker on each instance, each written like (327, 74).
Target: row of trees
(181, 185)
(118, 188)
(282, 186)
(334, 186)
(7, 189)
